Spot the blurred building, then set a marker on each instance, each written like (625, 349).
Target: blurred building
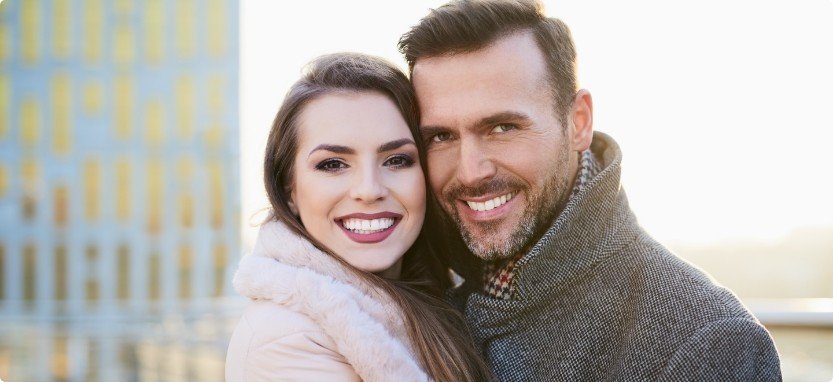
(118, 155)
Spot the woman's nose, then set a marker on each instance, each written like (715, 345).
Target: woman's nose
(368, 186)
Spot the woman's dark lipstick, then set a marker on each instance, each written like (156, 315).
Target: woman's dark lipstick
(369, 238)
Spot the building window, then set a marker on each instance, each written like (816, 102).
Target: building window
(123, 276)
(93, 98)
(154, 279)
(185, 108)
(220, 263)
(124, 45)
(4, 180)
(215, 194)
(123, 176)
(61, 28)
(93, 26)
(5, 99)
(155, 123)
(186, 31)
(61, 109)
(5, 42)
(30, 115)
(61, 206)
(3, 272)
(92, 190)
(60, 358)
(154, 30)
(215, 92)
(185, 174)
(91, 288)
(31, 185)
(216, 27)
(155, 184)
(123, 110)
(29, 272)
(61, 269)
(30, 18)
(185, 265)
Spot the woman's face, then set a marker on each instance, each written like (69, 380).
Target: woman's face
(358, 186)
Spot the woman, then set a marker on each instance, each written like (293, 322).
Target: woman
(355, 291)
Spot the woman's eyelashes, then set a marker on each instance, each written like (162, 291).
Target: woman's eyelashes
(399, 161)
(395, 161)
(331, 165)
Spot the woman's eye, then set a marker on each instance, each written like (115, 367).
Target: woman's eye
(503, 127)
(331, 165)
(399, 161)
(441, 137)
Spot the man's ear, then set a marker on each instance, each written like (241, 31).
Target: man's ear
(582, 117)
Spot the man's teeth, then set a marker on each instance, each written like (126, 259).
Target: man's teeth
(490, 204)
(364, 226)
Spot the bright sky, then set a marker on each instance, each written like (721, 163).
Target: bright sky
(723, 109)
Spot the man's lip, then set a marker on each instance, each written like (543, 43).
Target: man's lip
(485, 198)
(366, 216)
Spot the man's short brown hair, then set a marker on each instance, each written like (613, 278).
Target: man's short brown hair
(462, 26)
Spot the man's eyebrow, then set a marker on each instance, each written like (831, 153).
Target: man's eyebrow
(505, 116)
(334, 148)
(427, 131)
(393, 145)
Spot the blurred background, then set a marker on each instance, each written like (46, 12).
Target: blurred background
(132, 134)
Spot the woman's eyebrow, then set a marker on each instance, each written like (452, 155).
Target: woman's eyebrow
(393, 145)
(334, 148)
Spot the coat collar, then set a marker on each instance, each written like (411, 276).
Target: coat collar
(368, 328)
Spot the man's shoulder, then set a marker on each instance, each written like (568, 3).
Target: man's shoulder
(670, 285)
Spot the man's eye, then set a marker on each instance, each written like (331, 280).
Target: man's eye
(503, 127)
(441, 137)
(330, 165)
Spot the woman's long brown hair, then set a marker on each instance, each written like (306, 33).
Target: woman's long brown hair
(437, 331)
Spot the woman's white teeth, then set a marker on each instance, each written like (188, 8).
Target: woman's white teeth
(365, 226)
(490, 204)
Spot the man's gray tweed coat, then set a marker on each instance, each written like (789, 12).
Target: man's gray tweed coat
(596, 298)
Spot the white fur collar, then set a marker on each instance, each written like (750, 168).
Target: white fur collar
(368, 330)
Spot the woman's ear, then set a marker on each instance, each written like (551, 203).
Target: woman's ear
(291, 202)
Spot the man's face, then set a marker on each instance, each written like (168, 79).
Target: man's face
(499, 160)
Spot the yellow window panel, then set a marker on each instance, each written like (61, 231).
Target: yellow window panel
(123, 188)
(155, 123)
(216, 102)
(29, 272)
(216, 27)
(5, 42)
(186, 205)
(5, 104)
(30, 115)
(92, 190)
(185, 263)
(61, 270)
(61, 205)
(123, 108)
(214, 137)
(185, 168)
(154, 28)
(30, 176)
(154, 277)
(123, 275)
(93, 26)
(61, 28)
(30, 39)
(93, 98)
(123, 7)
(215, 193)
(124, 45)
(155, 196)
(61, 117)
(185, 107)
(220, 262)
(185, 27)
(4, 180)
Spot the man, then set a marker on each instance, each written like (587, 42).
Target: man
(571, 288)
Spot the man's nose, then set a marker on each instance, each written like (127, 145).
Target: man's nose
(368, 186)
(476, 164)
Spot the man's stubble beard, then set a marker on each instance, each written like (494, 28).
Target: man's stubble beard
(541, 209)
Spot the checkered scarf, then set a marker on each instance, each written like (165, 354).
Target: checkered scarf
(497, 278)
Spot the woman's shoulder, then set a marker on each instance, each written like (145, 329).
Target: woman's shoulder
(272, 341)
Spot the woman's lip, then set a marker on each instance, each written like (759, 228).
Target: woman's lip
(365, 216)
(370, 238)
